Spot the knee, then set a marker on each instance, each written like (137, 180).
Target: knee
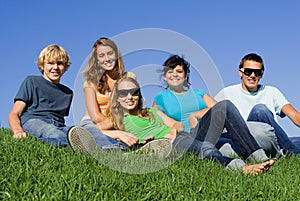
(228, 106)
(225, 104)
(259, 108)
(260, 111)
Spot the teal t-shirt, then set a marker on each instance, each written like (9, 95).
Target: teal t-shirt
(180, 106)
(143, 127)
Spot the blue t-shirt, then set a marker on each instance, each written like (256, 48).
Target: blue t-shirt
(180, 106)
(44, 99)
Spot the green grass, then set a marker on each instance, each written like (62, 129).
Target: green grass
(32, 170)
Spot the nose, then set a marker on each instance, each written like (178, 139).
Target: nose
(55, 65)
(107, 57)
(252, 75)
(174, 73)
(129, 96)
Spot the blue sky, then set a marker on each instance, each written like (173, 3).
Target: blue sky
(225, 30)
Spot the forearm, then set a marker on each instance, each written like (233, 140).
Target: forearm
(105, 124)
(292, 113)
(178, 126)
(173, 124)
(15, 123)
(122, 136)
(15, 126)
(199, 114)
(296, 121)
(171, 135)
(112, 133)
(193, 121)
(195, 116)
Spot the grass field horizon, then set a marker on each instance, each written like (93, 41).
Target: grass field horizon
(33, 170)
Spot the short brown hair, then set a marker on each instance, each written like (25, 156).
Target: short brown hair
(252, 57)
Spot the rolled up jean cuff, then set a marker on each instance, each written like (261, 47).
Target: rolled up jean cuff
(235, 164)
(258, 156)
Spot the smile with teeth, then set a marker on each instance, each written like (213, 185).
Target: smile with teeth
(56, 73)
(130, 103)
(251, 81)
(175, 79)
(109, 62)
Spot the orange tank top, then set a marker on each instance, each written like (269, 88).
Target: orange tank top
(102, 99)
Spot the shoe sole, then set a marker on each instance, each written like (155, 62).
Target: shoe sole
(82, 141)
(160, 148)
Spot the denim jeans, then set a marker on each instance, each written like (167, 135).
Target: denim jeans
(265, 137)
(295, 141)
(260, 113)
(103, 141)
(208, 130)
(47, 130)
(203, 150)
(224, 139)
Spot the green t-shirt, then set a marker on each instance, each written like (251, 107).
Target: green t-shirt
(143, 127)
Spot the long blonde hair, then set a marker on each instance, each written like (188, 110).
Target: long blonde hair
(115, 110)
(95, 74)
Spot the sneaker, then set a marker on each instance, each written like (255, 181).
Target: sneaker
(82, 140)
(160, 148)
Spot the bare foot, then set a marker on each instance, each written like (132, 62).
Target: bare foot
(257, 168)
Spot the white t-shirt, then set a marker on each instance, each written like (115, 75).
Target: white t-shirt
(245, 101)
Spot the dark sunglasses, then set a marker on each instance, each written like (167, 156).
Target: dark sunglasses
(249, 71)
(124, 92)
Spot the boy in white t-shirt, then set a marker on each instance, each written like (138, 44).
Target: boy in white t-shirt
(259, 105)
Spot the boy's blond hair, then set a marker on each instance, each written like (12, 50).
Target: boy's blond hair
(53, 53)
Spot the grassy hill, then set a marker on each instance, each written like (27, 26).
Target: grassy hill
(32, 170)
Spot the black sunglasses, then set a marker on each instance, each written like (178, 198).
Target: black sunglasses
(124, 92)
(249, 71)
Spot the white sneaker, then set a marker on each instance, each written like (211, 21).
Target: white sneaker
(82, 140)
(160, 148)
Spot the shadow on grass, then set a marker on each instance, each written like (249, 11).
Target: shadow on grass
(133, 163)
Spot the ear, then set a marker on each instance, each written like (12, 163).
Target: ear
(42, 67)
(240, 73)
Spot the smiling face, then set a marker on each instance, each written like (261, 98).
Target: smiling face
(128, 96)
(53, 70)
(53, 61)
(175, 77)
(250, 82)
(106, 57)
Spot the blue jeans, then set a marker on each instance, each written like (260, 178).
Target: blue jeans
(203, 150)
(265, 137)
(225, 138)
(103, 141)
(208, 130)
(47, 130)
(260, 113)
(295, 141)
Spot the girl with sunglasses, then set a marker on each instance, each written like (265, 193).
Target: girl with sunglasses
(126, 109)
(105, 67)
